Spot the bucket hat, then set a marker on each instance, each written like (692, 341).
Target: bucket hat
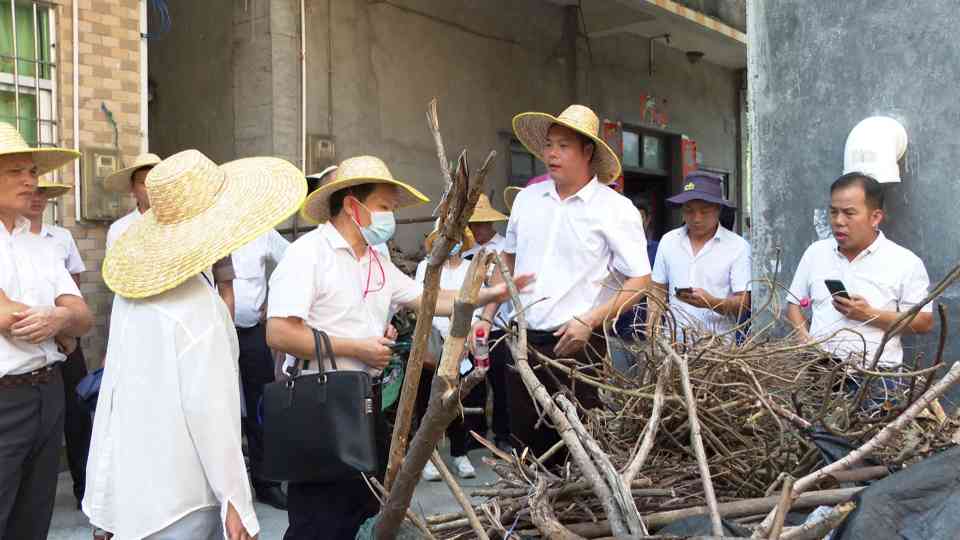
(532, 127)
(199, 213)
(701, 186)
(354, 172)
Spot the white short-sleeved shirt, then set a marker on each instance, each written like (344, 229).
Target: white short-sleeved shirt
(166, 437)
(121, 225)
(66, 248)
(494, 244)
(250, 283)
(30, 273)
(722, 268)
(573, 246)
(888, 276)
(451, 279)
(320, 281)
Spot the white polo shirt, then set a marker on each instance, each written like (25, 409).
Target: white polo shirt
(320, 281)
(250, 283)
(888, 276)
(572, 246)
(66, 248)
(30, 273)
(722, 268)
(121, 225)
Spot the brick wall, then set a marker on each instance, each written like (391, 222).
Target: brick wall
(109, 70)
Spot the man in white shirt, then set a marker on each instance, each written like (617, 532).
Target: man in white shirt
(331, 280)
(39, 303)
(573, 232)
(256, 360)
(702, 267)
(130, 180)
(77, 423)
(166, 459)
(881, 280)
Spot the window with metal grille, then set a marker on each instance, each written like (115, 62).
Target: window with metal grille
(27, 71)
(523, 165)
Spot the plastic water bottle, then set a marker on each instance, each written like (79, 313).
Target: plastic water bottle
(481, 356)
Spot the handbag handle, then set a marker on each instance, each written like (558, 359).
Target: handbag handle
(322, 350)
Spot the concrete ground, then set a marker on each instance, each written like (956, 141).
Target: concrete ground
(430, 498)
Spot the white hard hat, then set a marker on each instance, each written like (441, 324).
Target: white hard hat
(874, 146)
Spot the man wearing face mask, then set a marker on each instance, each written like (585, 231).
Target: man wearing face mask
(330, 280)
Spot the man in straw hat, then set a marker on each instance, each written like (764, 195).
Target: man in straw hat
(705, 266)
(573, 231)
(488, 238)
(39, 303)
(166, 458)
(331, 280)
(77, 422)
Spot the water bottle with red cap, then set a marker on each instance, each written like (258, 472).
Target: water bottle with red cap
(481, 353)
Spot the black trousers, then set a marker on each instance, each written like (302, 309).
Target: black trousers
(523, 414)
(77, 425)
(336, 510)
(459, 430)
(256, 371)
(500, 361)
(31, 424)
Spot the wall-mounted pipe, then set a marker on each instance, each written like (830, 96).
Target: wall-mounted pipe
(144, 88)
(76, 107)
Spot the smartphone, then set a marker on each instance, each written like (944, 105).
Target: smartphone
(681, 291)
(836, 288)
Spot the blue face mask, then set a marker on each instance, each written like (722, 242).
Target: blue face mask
(381, 229)
(455, 250)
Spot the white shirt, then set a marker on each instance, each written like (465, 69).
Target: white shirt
(451, 279)
(320, 281)
(250, 267)
(888, 276)
(121, 225)
(722, 268)
(166, 436)
(66, 248)
(572, 246)
(494, 244)
(30, 273)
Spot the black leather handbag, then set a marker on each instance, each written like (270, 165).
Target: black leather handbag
(319, 427)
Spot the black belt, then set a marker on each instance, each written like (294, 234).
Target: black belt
(34, 378)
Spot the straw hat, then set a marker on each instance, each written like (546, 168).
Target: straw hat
(485, 212)
(467, 241)
(200, 213)
(46, 159)
(532, 127)
(119, 181)
(510, 195)
(354, 172)
(52, 190)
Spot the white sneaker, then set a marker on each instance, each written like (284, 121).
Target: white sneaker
(464, 467)
(430, 473)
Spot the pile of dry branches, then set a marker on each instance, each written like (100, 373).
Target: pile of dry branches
(706, 425)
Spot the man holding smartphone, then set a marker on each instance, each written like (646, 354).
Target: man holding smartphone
(878, 279)
(704, 266)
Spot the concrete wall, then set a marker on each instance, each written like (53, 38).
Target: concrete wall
(819, 67)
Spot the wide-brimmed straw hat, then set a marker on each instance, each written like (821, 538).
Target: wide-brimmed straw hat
(52, 190)
(199, 213)
(354, 172)
(485, 212)
(119, 181)
(532, 127)
(45, 159)
(467, 241)
(701, 186)
(510, 195)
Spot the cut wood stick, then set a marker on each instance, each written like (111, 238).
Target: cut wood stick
(542, 515)
(819, 529)
(414, 518)
(695, 439)
(786, 499)
(638, 488)
(653, 424)
(878, 440)
(518, 348)
(459, 495)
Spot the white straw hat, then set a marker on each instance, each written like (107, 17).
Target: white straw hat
(532, 127)
(45, 159)
(52, 190)
(510, 195)
(199, 213)
(485, 212)
(119, 181)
